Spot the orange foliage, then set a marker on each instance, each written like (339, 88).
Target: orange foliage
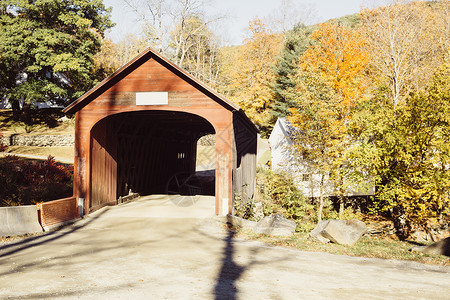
(339, 57)
(329, 83)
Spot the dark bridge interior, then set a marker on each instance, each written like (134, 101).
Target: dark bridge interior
(149, 152)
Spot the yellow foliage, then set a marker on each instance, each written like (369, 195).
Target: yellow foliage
(252, 76)
(105, 61)
(333, 66)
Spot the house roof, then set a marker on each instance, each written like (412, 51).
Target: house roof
(134, 64)
(283, 131)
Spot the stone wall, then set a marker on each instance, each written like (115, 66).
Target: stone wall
(38, 140)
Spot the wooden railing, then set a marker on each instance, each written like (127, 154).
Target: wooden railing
(58, 212)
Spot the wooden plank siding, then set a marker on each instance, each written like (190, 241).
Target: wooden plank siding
(103, 166)
(244, 164)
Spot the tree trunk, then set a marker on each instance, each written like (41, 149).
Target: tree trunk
(16, 110)
(26, 113)
(341, 207)
(401, 223)
(341, 197)
(319, 213)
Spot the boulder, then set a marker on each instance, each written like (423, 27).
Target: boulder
(315, 234)
(275, 224)
(240, 222)
(441, 247)
(345, 232)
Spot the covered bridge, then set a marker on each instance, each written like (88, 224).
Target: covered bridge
(138, 130)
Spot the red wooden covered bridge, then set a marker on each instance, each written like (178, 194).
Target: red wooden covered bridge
(138, 130)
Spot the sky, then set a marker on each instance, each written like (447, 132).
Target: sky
(240, 12)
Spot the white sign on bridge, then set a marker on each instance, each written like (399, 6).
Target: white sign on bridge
(152, 98)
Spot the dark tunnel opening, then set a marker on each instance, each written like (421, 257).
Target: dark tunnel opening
(153, 152)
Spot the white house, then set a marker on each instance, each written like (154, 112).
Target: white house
(304, 173)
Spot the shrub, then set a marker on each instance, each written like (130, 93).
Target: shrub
(280, 195)
(244, 208)
(329, 212)
(26, 182)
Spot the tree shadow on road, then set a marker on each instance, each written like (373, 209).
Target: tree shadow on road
(34, 241)
(229, 273)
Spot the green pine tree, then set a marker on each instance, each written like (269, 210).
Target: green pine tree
(296, 42)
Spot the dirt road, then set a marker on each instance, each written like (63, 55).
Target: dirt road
(160, 248)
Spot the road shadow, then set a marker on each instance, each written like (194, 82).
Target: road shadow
(34, 241)
(442, 246)
(229, 273)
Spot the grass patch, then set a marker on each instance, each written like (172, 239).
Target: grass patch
(371, 247)
(205, 154)
(57, 152)
(44, 121)
(206, 157)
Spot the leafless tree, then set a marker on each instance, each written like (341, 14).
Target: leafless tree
(405, 44)
(154, 15)
(181, 30)
(289, 14)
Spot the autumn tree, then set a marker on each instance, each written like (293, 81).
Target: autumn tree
(47, 49)
(106, 60)
(349, 21)
(406, 148)
(289, 14)
(228, 55)
(329, 83)
(441, 12)
(406, 43)
(401, 135)
(129, 47)
(312, 147)
(114, 55)
(296, 42)
(154, 14)
(252, 76)
(196, 49)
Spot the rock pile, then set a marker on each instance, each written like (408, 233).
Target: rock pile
(275, 224)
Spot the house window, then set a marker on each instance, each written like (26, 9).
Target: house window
(306, 177)
(181, 155)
